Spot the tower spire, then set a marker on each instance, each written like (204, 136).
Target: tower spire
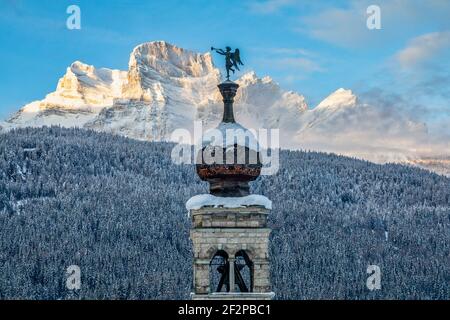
(228, 90)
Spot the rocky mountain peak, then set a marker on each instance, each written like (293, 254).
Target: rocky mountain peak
(170, 61)
(340, 98)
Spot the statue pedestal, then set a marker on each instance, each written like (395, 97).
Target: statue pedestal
(231, 260)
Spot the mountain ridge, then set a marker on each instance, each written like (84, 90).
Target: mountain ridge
(167, 87)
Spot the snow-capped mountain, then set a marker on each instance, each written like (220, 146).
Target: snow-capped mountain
(343, 124)
(79, 96)
(167, 87)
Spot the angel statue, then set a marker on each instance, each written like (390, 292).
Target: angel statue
(232, 59)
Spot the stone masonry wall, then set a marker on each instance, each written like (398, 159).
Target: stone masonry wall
(230, 230)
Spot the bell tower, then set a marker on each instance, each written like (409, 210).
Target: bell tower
(229, 230)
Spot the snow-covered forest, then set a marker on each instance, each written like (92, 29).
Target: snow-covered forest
(116, 208)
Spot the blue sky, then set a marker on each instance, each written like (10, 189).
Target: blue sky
(312, 47)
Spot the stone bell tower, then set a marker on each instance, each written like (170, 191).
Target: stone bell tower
(229, 231)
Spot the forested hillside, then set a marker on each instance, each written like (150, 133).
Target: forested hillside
(115, 207)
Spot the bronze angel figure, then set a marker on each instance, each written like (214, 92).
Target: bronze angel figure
(232, 59)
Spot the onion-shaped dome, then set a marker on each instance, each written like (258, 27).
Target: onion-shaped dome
(229, 158)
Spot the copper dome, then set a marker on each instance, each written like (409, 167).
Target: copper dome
(229, 158)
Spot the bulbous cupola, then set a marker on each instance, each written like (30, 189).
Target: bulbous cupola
(229, 158)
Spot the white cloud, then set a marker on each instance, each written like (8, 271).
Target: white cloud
(290, 59)
(380, 126)
(422, 48)
(269, 6)
(346, 26)
(422, 70)
(301, 63)
(290, 51)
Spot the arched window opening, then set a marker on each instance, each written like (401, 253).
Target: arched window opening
(243, 272)
(219, 269)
